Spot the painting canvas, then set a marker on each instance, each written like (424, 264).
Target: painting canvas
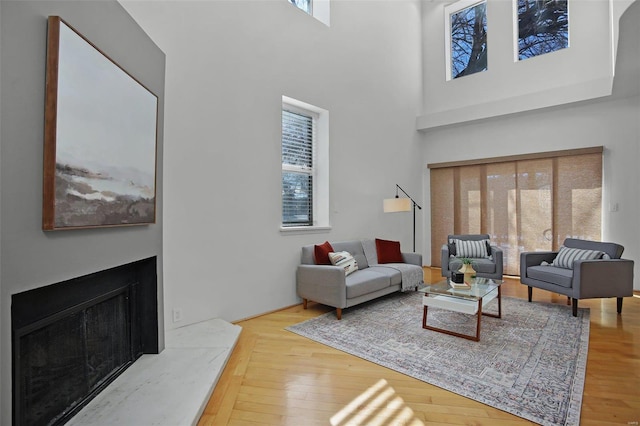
(100, 138)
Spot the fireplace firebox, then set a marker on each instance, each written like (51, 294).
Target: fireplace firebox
(71, 339)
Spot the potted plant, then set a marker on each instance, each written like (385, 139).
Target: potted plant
(467, 270)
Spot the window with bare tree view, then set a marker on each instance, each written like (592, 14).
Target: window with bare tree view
(467, 38)
(543, 27)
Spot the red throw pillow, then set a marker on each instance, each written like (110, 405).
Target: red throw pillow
(388, 251)
(321, 253)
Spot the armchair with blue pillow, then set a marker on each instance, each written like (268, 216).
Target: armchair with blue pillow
(486, 259)
(581, 269)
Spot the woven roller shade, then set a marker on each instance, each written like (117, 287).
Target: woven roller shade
(526, 203)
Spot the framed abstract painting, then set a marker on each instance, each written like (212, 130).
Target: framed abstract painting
(100, 138)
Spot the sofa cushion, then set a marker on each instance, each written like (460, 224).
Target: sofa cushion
(344, 260)
(388, 251)
(566, 256)
(364, 282)
(394, 275)
(321, 253)
(471, 249)
(484, 266)
(551, 274)
(355, 248)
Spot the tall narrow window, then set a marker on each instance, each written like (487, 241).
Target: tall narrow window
(297, 167)
(305, 165)
(529, 203)
(466, 41)
(543, 27)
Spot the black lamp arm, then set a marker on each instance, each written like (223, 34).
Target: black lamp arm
(409, 196)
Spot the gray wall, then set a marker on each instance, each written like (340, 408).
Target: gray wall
(30, 257)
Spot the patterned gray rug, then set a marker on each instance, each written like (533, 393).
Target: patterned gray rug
(531, 363)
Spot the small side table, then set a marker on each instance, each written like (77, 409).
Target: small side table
(467, 301)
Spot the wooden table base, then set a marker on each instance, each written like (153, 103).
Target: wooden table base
(479, 314)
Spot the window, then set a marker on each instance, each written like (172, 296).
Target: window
(304, 165)
(319, 9)
(543, 27)
(298, 129)
(466, 40)
(305, 5)
(529, 203)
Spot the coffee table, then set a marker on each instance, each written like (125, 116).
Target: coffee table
(467, 301)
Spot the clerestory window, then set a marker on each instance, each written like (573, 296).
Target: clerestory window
(466, 38)
(319, 9)
(542, 25)
(306, 5)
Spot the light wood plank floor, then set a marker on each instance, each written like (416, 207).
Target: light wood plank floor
(275, 377)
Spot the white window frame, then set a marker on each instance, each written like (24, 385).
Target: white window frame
(448, 11)
(320, 172)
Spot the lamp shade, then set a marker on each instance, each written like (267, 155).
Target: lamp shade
(392, 205)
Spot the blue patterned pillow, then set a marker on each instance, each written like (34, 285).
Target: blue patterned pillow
(566, 256)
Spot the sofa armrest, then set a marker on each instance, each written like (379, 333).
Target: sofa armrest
(413, 258)
(444, 260)
(603, 278)
(497, 255)
(534, 258)
(325, 284)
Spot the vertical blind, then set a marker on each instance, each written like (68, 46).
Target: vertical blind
(297, 168)
(525, 203)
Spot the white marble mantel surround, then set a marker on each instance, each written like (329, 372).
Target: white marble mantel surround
(168, 389)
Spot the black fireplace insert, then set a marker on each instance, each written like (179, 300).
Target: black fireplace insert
(71, 339)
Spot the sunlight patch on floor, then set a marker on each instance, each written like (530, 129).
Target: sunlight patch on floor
(378, 405)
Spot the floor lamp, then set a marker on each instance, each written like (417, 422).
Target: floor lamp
(397, 204)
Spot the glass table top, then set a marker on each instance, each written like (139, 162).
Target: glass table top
(480, 287)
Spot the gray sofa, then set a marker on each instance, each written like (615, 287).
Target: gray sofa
(327, 284)
(605, 276)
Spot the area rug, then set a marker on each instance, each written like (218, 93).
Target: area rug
(531, 363)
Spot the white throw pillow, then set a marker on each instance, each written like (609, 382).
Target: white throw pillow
(344, 260)
(566, 256)
(474, 249)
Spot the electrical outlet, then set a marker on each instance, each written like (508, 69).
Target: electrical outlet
(177, 314)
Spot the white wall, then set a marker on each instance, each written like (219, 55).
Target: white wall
(613, 122)
(582, 71)
(228, 65)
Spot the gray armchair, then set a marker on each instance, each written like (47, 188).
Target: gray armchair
(489, 266)
(606, 275)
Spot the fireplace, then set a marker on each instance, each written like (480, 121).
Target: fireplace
(71, 339)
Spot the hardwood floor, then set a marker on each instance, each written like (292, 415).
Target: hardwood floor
(275, 377)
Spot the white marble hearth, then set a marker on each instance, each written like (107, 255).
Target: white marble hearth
(168, 389)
